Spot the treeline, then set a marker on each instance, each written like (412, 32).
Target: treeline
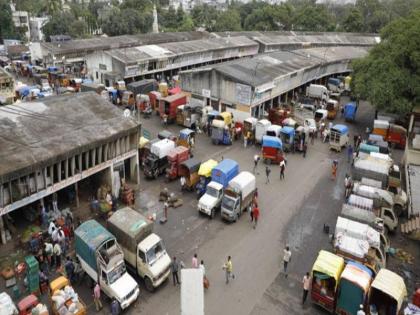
(136, 16)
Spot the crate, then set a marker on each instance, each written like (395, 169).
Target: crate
(32, 264)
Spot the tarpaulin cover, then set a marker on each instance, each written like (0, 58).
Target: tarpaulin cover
(174, 90)
(52, 69)
(288, 130)
(272, 142)
(392, 284)
(343, 129)
(329, 264)
(184, 133)
(206, 168)
(225, 171)
(350, 110)
(334, 81)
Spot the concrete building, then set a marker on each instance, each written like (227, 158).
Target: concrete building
(252, 86)
(21, 20)
(7, 87)
(61, 142)
(136, 63)
(36, 25)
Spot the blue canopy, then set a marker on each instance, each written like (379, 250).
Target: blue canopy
(214, 113)
(226, 165)
(343, 129)
(272, 142)
(52, 69)
(360, 266)
(87, 81)
(24, 90)
(290, 131)
(185, 133)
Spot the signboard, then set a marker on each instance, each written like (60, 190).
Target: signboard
(146, 134)
(206, 93)
(102, 66)
(243, 93)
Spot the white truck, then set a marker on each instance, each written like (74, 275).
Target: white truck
(144, 251)
(382, 198)
(261, 129)
(386, 214)
(102, 258)
(317, 91)
(360, 242)
(238, 196)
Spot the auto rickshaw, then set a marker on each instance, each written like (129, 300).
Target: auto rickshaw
(165, 134)
(189, 170)
(26, 305)
(227, 118)
(186, 138)
(205, 176)
(249, 128)
(332, 108)
(287, 138)
(272, 150)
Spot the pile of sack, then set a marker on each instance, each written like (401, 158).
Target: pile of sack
(40, 309)
(7, 307)
(66, 301)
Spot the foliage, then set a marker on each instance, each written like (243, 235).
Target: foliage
(353, 22)
(229, 20)
(7, 29)
(389, 77)
(314, 18)
(65, 24)
(127, 21)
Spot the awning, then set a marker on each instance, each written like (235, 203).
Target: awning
(329, 264)
(206, 168)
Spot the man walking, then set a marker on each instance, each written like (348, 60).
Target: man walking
(97, 297)
(174, 270)
(115, 307)
(57, 255)
(256, 160)
(350, 154)
(282, 168)
(255, 215)
(267, 174)
(228, 267)
(306, 284)
(287, 254)
(194, 261)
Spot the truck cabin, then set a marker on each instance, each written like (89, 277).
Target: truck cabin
(151, 249)
(230, 200)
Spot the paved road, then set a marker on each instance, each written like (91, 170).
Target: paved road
(293, 212)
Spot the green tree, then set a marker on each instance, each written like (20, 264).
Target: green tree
(59, 24)
(229, 20)
(53, 6)
(7, 29)
(315, 18)
(389, 77)
(127, 21)
(204, 16)
(78, 29)
(353, 22)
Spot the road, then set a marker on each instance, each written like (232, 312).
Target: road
(293, 212)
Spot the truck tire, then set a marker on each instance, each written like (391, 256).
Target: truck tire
(149, 284)
(213, 213)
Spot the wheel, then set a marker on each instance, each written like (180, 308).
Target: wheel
(149, 284)
(213, 213)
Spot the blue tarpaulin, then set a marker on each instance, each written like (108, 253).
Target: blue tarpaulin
(225, 171)
(184, 133)
(290, 131)
(24, 90)
(52, 69)
(343, 129)
(272, 142)
(350, 111)
(334, 81)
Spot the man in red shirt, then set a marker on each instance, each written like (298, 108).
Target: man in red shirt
(256, 215)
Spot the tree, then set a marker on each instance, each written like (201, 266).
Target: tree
(53, 6)
(59, 24)
(127, 21)
(7, 29)
(204, 16)
(315, 18)
(389, 77)
(78, 29)
(353, 22)
(229, 20)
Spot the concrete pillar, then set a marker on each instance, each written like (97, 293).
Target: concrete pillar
(134, 168)
(285, 97)
(2, 231)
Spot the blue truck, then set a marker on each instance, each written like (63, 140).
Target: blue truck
(350, 110)
(221, 175)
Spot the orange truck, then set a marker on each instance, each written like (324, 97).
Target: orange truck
(61, 296)
(394, 134)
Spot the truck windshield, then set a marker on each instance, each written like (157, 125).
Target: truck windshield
(116, 273)
(212, 192)
(155, 253)
(228, 203)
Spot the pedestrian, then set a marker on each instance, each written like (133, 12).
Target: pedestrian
(306, 284)
(256, 215)
(355, 141)
(312, 136)
(359, 141)
(305, 148)
(174, 270)
(97, 297)
(347, 185)
(57, 255)
(182, 181)
(48, 252)
(52, 227)
(228, 267)
(206, 282)
(251, 214)
(282, 168)
(267, 174)
(245, 141)
(350, 154)
(361, 311)
(194, 261)
(287, 254)
(256, 160)
(115, 307)
(334, 169)
(69, 268)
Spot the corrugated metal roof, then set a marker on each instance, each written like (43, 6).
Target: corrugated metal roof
(54, 127)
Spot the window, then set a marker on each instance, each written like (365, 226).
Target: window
(142, 256)
(104, 278)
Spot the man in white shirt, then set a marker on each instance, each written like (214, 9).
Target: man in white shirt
(52, 227)
(287, 254)
(306, 285)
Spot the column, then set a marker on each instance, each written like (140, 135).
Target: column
(2, 231)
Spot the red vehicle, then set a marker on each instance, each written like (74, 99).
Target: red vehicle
(272, 150)
(277, 115)
(397, 136)
(26, 305)
(175, 157)
(154, 98)
(169, 104)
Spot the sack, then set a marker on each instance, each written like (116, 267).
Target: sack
(206, 282)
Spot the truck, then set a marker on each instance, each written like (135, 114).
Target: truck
(261, 129)
(157, 161)
(350, 110)
(379, 170)
(192, 291)
(142, 87)
(144, 251)
(238, 196)
(359, 242)
(382, 198)
(339, 137)
(220, 178)
(335, 85)
(168, 106)
(102, 258)
(317, 91)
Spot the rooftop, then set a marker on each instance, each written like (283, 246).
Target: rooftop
(35, 134)
(265, 68)
(138, 54)
(105, 43)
